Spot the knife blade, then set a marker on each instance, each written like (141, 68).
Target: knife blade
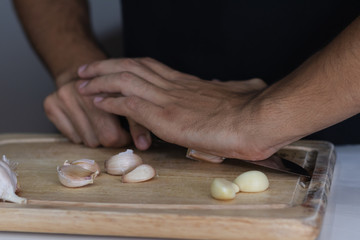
(273, 162)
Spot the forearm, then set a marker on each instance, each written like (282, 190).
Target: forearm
(60, 33)
(321, 92)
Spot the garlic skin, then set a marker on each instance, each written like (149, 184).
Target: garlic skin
(223, 189)
(141, 173)
(87, 164)
(122, 163)
(252, 181)
(75, 176)
(8, 182)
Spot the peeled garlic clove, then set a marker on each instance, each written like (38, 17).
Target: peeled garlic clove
(223, 189)
(252, 181)
(75, 176)
(8, 182)
(235, 187)
(141, 173)
(197, 155)
(87, 164)
(122, 163)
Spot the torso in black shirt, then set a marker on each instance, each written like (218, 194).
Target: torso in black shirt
(237, 40)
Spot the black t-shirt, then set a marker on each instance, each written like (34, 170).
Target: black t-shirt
(239, 39)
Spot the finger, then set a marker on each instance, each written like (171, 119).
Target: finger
(60, 120)
(107, 128)
(70, 106)
(142, 111)
(127, 84)
(111, 66)
(83, 127)
(163, 70)
(140, 135)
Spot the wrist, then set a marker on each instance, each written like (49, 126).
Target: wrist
(265, 128)
(69, 73)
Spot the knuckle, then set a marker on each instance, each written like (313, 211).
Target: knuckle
(147, 60)
(128, 63)
(95, 66)
(132, 102)
(259, 82)
(63, 93)
(170, 112)
(126, 75)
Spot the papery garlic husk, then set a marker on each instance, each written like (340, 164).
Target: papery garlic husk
(141, 173)
(8, 182)
(87, 164)
(122, 163)
(75, 176)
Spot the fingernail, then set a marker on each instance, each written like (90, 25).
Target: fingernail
(83, 84)
(142, 142)
(82, 68)
(98, 99)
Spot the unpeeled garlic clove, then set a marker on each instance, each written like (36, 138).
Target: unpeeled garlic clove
(223, 189)
(87, 164)
(75, 176)
(122, 163)
(141, 173)
(252, 181)
(8, 182)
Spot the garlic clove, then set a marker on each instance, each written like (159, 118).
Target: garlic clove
(202, 156)
(223, 189)
(122, 163)
(141, 173)
(9, 168)
(75, 176)
(252, 181)
(235, 187)
(8, 182)
(87, 164)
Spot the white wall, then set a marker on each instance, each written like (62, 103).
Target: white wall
(24, 82)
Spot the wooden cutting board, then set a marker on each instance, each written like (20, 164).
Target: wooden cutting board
(176, 204)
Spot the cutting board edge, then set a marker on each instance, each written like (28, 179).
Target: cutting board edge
(189, 227)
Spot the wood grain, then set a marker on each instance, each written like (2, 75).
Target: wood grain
(176, 204)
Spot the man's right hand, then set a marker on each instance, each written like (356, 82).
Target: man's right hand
(80, 121)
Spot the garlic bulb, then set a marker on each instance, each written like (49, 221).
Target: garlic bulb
(141, 173)
(87, 164)
(252, 181)
(75, 176)
(122, 163)
(8, 182)
(223, 189)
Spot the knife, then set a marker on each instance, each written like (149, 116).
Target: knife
(273, 162)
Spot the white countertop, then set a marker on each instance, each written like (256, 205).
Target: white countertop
(342, 217)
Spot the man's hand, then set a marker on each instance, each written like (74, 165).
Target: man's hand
(236, 119)
(209, 116)
(78, 119)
